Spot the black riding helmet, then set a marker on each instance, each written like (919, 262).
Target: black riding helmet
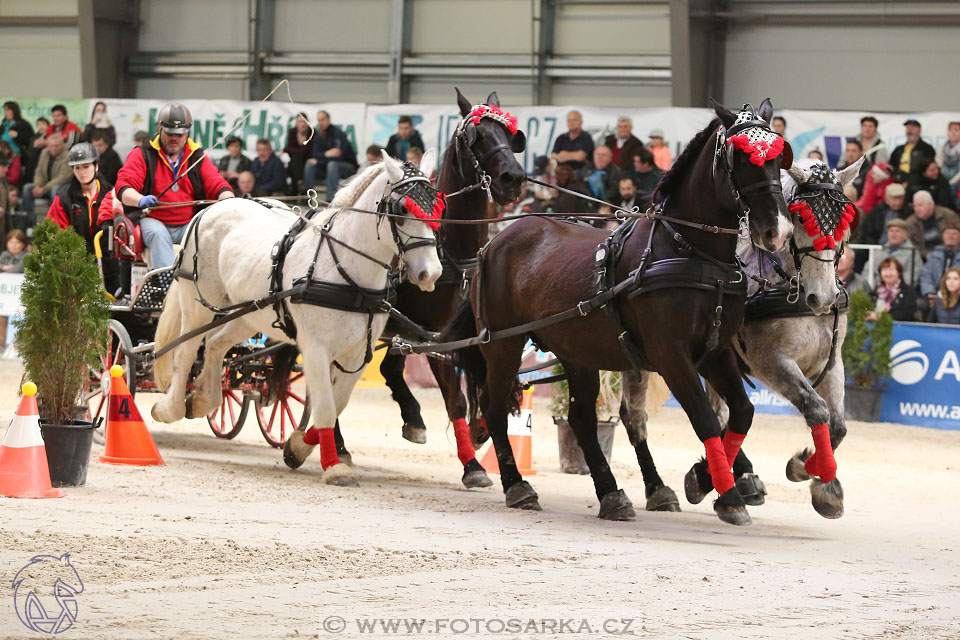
(175, 118)
(82, 153)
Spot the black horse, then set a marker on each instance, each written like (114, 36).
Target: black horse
(672, 298)
(480, 156)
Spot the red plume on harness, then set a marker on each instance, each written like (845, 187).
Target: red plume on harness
(431, 218)
(761, 145)
(491, 111)
(822, 238)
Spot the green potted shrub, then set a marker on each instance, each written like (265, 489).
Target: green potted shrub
(608, 404)
(866, 359)
(60, 334)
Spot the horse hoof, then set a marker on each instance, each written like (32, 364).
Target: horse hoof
(293, 444)
(616, 506)
(697, 483)
(827, 498)
(796, 472)
(731, 508)
(522, 496)
(340, 475)
(752, 489)
(416, 435)
(663, 499)
(474, 476)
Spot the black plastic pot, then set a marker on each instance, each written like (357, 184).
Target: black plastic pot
(862, 403)
(571, 456)
(68, 451)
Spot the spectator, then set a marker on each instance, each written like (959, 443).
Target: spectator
(623, 144)
(99, 121)
(661, 152)
(566, 202)
(332, 157)
(893, 294)
(873, 229)
(545, 196)
(850, 279)
(851, 154)
(110, 161)
(11, 260)
(234, 163)
(8, 195)
(140, 137)
(870, 142)
(629, 197)
(945, 309)
(14, 166)
(68, 131)
(816, 155)
(34, 150)
(414, 154)
(898, 246)
(942, 258)
(404, 139)
(935, 184)
(779, 125)
(268, 170)
(373, 155)
(948, 157)
(911, 158)
(170, 156)
(246, 183)
(575, 147)
(16, 131)
(925, 227)
(873, 187)
(646, 174)
(605, 177)
(52, 173)
(298, 149)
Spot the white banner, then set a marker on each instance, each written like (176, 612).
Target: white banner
(10, 284)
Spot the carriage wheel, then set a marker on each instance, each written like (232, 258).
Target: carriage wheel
(227, 421)
(97, 388)
(290, 411)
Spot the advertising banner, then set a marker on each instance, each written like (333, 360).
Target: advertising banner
(924, 386)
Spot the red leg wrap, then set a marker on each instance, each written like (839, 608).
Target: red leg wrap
(732, 443)
(312, 436)
(465, 450)
(328, 449)
(822, 463)
(717, 465)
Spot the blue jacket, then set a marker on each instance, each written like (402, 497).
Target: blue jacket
(943, 315)
(270, 176)
(333, 137)
(933, 270)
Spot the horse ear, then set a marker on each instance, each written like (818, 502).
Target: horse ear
(726, 116)
(786, 156)
(463, 103)
(799, 174)
(428, 162)
(394, 170)
(493, 99)
(766, 110)
(849, 174)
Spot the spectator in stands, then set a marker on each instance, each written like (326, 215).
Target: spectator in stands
(629, 197)
(414, 154)
(870, 142)
(816, 155)
(605, 177)
(33, 151)
(543, 171)
(925, 227)
(331, 156)
(11, 260)
(99, 121)
(268, 170)
(945, 309)
(623, 144)
(234, 163)
(298, 149)
(874, 186)
(646, 174)
(936, 184)
(898, 246)
(850, 279)
(110, 161)
(851, 154)
(911, 158)
(140, 137)
(8, 194)
(52, 173)
(948, 157)
(661, 152)
(373, 155)
(943, 257)
(566, 202)
(779, 125)
(405, 138)
(68, 131)
(16, 131)
(575, 147)
(15, 166)
(246, 184)
(893, 294)
(873, 229)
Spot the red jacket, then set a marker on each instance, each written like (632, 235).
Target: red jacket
(84, 216)
(70, 133)
(133, 175)
(13, 174)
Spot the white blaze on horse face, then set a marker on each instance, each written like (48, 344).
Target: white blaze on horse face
(422, 263)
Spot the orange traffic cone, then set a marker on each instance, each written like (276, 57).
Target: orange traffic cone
(23, 458)
(128, 440)
(520, 433)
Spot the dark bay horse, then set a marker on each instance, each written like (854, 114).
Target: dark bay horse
(481, 150)
(677, 322)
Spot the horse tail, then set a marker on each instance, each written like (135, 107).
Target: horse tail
(168, 328)
(657, 393)
(468, 361)
(278, 377)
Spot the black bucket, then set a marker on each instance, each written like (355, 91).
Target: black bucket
(68, 451)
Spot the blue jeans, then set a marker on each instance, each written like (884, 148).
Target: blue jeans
(160, 238)
(29, 199)
(335, 170)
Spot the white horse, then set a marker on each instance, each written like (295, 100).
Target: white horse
(232, 245)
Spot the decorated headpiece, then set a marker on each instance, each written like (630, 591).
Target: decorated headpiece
(420, 199)
(824, 211)
(481, 111)
(752, 135)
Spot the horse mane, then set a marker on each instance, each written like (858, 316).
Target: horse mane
(354, 188)
(671, 181)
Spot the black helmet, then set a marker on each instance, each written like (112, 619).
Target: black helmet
(175, 118)
(82, 153)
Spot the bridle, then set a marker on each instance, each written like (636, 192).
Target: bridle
(402, 199)
(466, 136)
